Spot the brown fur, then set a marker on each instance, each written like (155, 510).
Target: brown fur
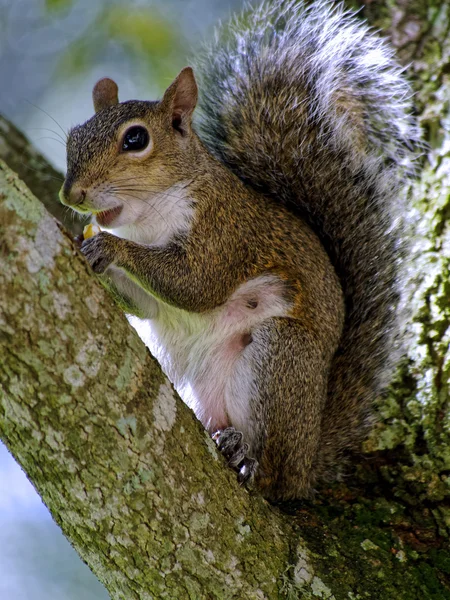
(237, 235)
(318, 215)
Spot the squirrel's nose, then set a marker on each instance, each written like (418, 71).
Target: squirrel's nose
(72, 195)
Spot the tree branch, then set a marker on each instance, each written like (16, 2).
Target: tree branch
(135, 482)
(131, 477)
(127, 471)
(42, 179)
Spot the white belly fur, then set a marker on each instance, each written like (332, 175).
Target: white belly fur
(207, 356)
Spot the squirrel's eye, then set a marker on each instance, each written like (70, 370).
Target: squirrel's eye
(135, 139)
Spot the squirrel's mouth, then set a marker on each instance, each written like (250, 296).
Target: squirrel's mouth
(106, 217)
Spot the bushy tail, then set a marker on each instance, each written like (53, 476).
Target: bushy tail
(305, 104)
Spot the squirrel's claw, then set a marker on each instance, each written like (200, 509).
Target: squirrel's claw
(99, 251)
(231, 445)
(247, 470)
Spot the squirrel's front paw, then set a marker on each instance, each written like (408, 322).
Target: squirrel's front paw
(100, 251)
(231, 443)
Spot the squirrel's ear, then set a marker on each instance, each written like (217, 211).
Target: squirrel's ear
(180, 99)
(105, 93)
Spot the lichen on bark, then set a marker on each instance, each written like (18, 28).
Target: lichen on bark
(122, 463)
(415, 417)
(134, 481)
(131, 477)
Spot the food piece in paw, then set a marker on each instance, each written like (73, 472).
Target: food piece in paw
(90, 230)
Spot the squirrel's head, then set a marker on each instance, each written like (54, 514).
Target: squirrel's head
(132, 155)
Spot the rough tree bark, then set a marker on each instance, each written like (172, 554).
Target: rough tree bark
(133, 480)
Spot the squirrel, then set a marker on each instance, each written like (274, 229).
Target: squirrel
(262, 254)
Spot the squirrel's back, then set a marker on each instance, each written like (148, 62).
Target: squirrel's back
(306, 105)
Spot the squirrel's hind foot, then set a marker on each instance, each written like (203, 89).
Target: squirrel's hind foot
(231, 444)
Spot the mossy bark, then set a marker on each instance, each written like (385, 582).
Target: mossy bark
(129, 474)
(123, 465)
(415, 417)
(134, 481)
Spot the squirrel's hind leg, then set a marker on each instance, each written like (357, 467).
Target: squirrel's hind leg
(285, 375)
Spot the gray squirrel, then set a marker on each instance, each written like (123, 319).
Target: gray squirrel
(263, 253)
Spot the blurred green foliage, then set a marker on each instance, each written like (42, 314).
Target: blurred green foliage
(144, 36)
(54, 5)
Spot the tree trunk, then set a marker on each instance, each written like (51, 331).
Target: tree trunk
(129, 474)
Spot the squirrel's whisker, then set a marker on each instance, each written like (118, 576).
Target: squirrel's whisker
(147, 202)
(49, 116)
(158, 194)
(51, 131)
(53, 139)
